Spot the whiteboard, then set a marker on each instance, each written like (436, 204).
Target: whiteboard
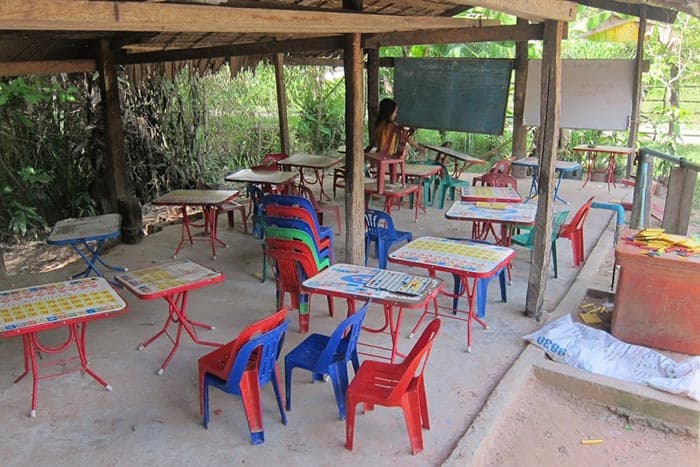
(595, 94)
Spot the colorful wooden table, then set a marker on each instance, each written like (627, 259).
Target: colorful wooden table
(350, 282)
(461, 161)
(462, 260)
(472, 194)
(591, 152)
(172, 282)
(209, 201)
(319, 165)
(560, 167)
(86, 236)
(486, 213)
(31, 310)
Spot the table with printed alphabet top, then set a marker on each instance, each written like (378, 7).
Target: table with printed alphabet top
(466, 262)
(350, 282)
(505, 194)
(172, 282)
(209, 201)
(483, 214)
(28, 311)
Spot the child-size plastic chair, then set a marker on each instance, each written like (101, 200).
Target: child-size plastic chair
(527, 239)
(328, 355)
(273, 158)
(380, 229)
(320, 256)
(252, 367)
(293, 265)
(304, 205)
(322, 243)
(256, 209)
(395, 385)
(320, 207)
(502, 167)
(574, 231)
(338, 179)
(447, 182)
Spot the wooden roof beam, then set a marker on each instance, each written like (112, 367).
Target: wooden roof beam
(655, 14)
(259, 48)
(83, 15)
(533, 10)
(527, 32)
(47, 67)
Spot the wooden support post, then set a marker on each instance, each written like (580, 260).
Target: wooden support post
(113, 170)
(354, 155)
(637, 97)
(372, 91)
(679, 200)
(520, 130)
(282, 103)
(550, 108)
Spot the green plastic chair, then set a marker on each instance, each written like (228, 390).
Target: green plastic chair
(427, 183)
(527, 239)
(448, 182)
(299, 235)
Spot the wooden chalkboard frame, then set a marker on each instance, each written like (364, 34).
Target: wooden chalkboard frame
(469, 95)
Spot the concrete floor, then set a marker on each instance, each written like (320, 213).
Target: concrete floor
(151, 419)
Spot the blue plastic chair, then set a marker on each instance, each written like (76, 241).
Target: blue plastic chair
(482, 285)
(527, 239)
(328, 355)
(245, 380)
(290, 200)
(380, 229)
(298, 224)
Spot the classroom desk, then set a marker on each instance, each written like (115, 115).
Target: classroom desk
(463, 260)
(560, 167)
(31, 310)
(465, 159)
(591, 152)
(393, 193)
(350, 282)
(79, 233)
(318, 164)
(208, 201)
(473, 194)
(261, 177)
(172, 282)
(505, 214)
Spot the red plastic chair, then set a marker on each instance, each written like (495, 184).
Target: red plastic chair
(394, 162)
(229, 208)
(338, 179)
(320, 207)
(218, 367)
(294, 263)
(395, 385)
(499, 180)
(273, 158)
(574, 231)
(500, 167)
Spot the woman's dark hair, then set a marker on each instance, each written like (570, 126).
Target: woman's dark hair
(386, 108)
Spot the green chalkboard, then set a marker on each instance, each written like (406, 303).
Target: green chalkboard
(452, 94)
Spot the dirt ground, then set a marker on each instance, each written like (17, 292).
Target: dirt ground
(547, 426)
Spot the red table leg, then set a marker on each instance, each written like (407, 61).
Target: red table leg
(470, 292)
(611, 171)
(177, 313)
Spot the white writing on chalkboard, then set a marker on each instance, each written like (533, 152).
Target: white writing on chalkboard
(595, 94)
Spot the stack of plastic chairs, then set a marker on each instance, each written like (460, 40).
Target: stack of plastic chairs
(299, 248)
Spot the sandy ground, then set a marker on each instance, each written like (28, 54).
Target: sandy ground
(546, 426)
(151, 419)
